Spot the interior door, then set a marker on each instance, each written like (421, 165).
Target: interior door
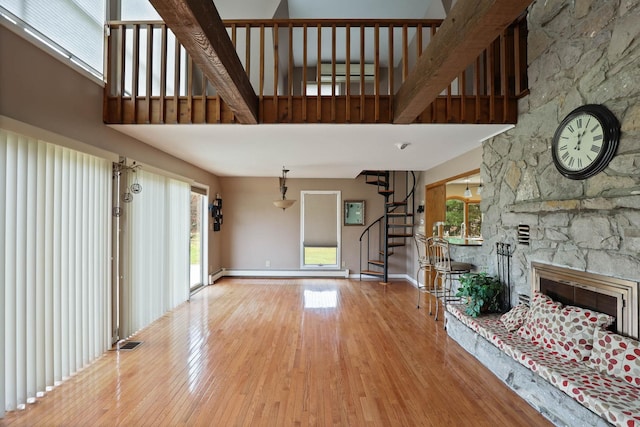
(435, 205)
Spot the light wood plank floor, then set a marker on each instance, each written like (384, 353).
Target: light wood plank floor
(248, 352)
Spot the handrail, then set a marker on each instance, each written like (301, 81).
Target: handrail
(301, 73)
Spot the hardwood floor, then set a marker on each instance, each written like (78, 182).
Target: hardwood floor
(253, 352)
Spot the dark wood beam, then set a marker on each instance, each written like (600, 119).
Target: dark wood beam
(468, 29)
(198, 27)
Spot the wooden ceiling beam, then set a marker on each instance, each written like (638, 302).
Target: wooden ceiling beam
(468, 29)
(199, 28)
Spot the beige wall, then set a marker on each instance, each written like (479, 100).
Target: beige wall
(254, 231)
(37, 89)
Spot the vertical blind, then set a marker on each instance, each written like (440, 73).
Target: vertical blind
(156, 251)
(54, 265)
(76, 26)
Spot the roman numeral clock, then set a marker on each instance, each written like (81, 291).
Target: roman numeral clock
(586, 141)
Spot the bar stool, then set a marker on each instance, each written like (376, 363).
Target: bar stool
(425, 263)
(446, 271)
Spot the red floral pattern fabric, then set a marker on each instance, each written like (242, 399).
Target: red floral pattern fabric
(616, 355)
(539, 323)
(514, 318)
(573, 329)
(610, 397)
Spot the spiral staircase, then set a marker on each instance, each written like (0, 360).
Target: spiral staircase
(380, 239)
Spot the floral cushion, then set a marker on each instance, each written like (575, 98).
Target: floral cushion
(616, 355)
(573, 329)
(611, 397)
(540, 321)
(514, 318)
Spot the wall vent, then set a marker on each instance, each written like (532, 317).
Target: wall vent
(524, 234)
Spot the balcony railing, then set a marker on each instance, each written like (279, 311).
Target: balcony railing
(307, 71)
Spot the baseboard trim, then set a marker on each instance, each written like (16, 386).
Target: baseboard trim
(213, 277)
(286, 273)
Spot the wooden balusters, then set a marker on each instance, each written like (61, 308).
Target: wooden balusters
(362, 75)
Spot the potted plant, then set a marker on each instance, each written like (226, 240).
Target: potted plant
(481, 291)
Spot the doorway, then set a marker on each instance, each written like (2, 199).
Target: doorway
(197, 238)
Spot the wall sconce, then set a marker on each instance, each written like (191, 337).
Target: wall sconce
(216, 212)
(420, 207)
(283, 203)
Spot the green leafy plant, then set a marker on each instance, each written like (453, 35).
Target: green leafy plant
(481, 291)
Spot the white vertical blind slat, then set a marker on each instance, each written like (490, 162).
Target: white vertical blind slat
(41, 272)
(32, 262)
(21, 280)
(43, 266)
(10, 275)
(4, 166)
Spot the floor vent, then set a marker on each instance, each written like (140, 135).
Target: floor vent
(128, 345)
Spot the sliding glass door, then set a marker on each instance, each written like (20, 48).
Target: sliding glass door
(197, 238)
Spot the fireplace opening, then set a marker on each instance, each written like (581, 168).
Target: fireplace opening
(613, 296)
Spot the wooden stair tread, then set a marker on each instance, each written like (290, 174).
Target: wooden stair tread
(397, 235)
(376, 262)
(372, 273)
(396, 244)
(399, 214)
(386, 192)
(404, 203)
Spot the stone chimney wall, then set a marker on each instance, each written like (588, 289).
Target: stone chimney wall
(579, 52)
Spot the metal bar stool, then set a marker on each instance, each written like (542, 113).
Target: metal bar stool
(425, 263)
(446, 270)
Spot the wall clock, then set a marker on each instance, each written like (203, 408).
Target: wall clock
(586, 141)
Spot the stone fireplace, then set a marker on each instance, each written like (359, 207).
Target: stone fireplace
(616, 297)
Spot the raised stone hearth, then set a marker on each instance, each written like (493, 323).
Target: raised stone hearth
(551, 402)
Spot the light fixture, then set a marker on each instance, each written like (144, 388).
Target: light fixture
(479, 190)
(467, 192)
(127, 193)
(283, 203)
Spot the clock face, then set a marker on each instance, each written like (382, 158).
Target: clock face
(585, 141)
(580, 142)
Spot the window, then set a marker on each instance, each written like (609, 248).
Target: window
(463, 218)
(320, 229)
(72, 28)
(325, 89)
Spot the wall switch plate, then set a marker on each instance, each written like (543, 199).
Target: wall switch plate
(267, 263)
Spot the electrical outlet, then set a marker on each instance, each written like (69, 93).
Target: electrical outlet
(344, 264)
(267, 263)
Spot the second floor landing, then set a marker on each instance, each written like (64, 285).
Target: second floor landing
(316, 71)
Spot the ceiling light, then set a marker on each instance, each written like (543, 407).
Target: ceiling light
(479, 190)
(467, 192)
(283, 203)
(402, 145)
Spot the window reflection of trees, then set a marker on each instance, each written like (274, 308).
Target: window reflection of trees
(460, 211)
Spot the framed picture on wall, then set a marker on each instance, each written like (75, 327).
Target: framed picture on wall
(354, 212)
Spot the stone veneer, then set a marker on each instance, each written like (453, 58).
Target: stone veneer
(579, 52)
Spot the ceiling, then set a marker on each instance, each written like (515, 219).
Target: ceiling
(310, 150)
(317, 150)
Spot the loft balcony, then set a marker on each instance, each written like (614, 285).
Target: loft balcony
(308, 71)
